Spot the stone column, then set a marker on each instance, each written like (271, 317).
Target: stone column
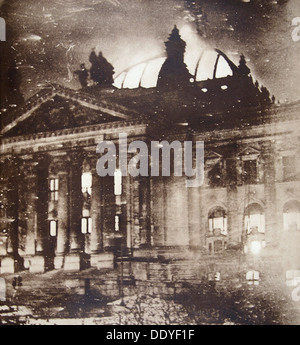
(235, 231)
(61, 166)
(96, 235)
(38, 262)
(194, 217)
(128, 210)
(135, 190)
(99, 259)
(145, 211)
(109, 211)
(233, 226)
(158, 211)
(270, 195)
(74, 260)
(9, 217)
(29, 194)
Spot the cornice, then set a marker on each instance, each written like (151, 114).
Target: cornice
(79, 136)
(84, 99)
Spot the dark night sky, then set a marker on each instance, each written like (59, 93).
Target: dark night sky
(51, 38)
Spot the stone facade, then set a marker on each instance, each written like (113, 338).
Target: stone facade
(245, 217)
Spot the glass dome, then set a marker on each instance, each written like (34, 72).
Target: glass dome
(206, 64)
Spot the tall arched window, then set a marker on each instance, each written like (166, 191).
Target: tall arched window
(217, 221)
(291, 216)
(254, 219)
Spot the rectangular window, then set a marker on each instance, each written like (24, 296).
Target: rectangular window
(218, 222)
(86, 183)
(291, 221)
(53, 228)
(214, 276)
(252, 277)
(292, 277)
(117, 223)
(53, 186)
(250, 171)
(255, 222)
(289, 168)
(117, 182)
(86, 225)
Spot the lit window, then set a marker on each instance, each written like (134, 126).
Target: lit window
(254, 219)
(217, 221)
(214, 276)
(252, 277)
(292, 277)
(86, 183)
(53, 189)
(118, 182)
(255, 247)
(217, 276)
(2, 211)
(85, 213)
(291, 216)
(86, 225)
(53, 228)
(117, 223)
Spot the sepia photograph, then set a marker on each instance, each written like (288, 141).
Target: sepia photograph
(150, 164)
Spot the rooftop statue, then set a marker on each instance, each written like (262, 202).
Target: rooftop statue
(101, 70)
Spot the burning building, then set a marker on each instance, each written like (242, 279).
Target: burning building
(242, 223)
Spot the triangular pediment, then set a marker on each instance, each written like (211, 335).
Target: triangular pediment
(211, 155)
(60, 108)
(249, 151)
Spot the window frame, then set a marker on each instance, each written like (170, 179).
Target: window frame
(54, 188)
(254, 279)
(55, 221)
(287, 175)
(287, 215)
(248, 176)
(212, 218)
(248, 216)
(88, 187)
(118, 182)
(88, 225)
(292, 277)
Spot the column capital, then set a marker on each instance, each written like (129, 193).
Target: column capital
(267, 148)
(59, 164)
(29, 168)
(76, 157)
